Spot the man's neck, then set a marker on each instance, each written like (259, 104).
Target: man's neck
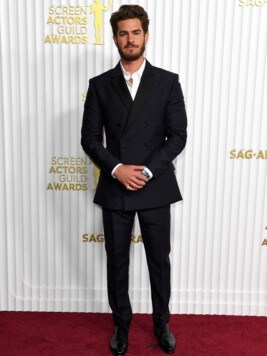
(133, 66)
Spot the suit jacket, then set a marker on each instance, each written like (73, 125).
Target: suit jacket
(150, 131)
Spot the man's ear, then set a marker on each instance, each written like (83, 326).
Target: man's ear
(115, 40)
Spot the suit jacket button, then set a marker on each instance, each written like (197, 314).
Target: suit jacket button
(147, 144)
(147, 122)
(118, 124)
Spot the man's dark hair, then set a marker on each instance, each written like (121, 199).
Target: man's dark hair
(129, 12)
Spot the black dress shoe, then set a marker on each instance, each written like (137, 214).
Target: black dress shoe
(119, 341)
(165, 338)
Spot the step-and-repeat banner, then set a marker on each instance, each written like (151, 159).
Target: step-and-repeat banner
(52, 254)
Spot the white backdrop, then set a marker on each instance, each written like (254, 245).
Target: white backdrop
(51, 244)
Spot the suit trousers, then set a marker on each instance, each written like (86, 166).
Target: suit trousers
(155, 229)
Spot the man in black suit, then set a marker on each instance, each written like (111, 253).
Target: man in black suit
(141, 108)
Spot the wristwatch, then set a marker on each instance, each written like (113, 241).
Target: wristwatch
(145, 173)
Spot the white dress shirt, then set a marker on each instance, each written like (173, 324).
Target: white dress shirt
(136, 78)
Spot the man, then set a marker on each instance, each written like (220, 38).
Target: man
(141, 109)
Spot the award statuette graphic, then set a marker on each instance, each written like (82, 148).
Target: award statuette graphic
(96, 172)
(97, 8)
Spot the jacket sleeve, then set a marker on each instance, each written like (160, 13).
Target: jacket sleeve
(92, 133)
(175, 132)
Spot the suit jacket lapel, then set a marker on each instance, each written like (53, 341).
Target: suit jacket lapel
(120, 86)
(144, 88)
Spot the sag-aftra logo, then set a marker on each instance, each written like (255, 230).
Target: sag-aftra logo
(252, 2)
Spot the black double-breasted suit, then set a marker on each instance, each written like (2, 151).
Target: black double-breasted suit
(149, 131)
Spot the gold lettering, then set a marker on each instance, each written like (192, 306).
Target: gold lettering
(240, 154)
(48, 39)
(259, 2)
(84, 96)
(264, 242)
(64, 39)
(66, 186)
(255, 2)
(55, 39)
(139, 239)
(69, 170)
(71, 30)
(260, 155)
(57, 10)
(92, 238)
(84, 40)
(72, 40)
(100, 238)
(85, 237)
(248, 154)
(67, 10)
(51, 10)
(52, 170)
(50, 187)
(82, 169)
(136, 239)
(80, 12)
(82, 161)
(60, 160)
(57, 20)
(50, 20)
(60, 29)
(232, 154)
(72, 178)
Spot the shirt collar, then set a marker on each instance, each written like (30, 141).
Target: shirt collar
(127, 75)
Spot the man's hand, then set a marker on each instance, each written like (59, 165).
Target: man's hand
(130, 176)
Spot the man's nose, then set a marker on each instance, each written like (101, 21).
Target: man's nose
(130, 39)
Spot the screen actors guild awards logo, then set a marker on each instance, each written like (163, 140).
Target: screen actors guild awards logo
(69, 24)
(68, 174)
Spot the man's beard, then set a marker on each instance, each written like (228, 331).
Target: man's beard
(132, 57)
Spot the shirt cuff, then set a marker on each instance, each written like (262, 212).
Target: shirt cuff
(114, 169)
(149, 172)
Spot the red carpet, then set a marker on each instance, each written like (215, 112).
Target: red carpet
(75, 334)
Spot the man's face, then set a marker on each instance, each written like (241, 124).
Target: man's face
(131, 39)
